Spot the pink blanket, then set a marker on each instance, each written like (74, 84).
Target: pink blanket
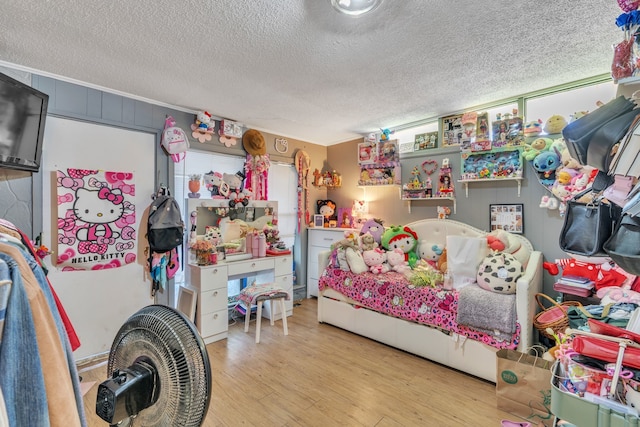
(390, 293)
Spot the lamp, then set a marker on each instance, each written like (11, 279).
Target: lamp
(355, 7)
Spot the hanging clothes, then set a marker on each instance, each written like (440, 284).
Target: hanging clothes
(257, 172)
(60, 387)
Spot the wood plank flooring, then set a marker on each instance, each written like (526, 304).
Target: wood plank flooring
(320, 375)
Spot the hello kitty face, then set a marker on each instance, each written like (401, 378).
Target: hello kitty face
(404, 242)
(203, 117)
(374, 257)
(98, 207)
(213, 234)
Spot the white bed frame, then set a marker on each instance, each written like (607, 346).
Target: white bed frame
(454, 351)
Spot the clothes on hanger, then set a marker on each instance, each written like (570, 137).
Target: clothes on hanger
(35, 352)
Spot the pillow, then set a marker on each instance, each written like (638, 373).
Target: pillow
(356, 262)
(499, 273)
(464, 255)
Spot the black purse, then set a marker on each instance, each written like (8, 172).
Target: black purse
(624, 244)
(579, 134)
(587, 226)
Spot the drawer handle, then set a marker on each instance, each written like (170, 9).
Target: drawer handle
(328, 239)
(215, 270)
(253, 264)
(215, 316)
(215, 294)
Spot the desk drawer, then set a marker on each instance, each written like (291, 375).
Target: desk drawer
(324, 238)
(284, 265)
(286, 283)
(208, 278)
(248, 267)
(214, 323)
(214, 300)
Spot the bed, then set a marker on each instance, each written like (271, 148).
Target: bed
(429, 331)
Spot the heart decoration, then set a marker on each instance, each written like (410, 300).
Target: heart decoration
(429, 166)
(629, 5)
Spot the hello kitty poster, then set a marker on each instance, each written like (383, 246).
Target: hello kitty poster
(96, 219)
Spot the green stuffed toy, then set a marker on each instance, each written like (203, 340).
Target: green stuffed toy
(536, 147)
(403, 238)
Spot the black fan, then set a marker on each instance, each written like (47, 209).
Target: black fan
(160, 372)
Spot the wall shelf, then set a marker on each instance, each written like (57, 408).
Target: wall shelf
(421, 199)
(465, 182)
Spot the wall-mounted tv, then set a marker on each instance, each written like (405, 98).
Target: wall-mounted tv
(23, 111)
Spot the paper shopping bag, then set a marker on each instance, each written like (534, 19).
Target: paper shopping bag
(523, 386)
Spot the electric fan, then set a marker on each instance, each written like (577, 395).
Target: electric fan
(160, 372)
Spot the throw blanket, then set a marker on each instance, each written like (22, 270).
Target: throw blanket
(487, 311)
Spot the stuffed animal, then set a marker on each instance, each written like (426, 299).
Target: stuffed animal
(443, 212)
(499, 273)
(376, 260)
(215, 184)
(503, 241)
(203, 121)
(213, 234)
(340, 249)
(367, 242)
(546, 164)
(533, 128)
(403, 238)
(327, 208)
(374, 227)
(537, 146)
(234, 181)
(395, 259)
(555, 124)
(430, 252)
(441, 264)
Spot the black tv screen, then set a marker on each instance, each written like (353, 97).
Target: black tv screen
(23, 111)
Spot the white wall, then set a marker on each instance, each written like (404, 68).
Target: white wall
(98, 302)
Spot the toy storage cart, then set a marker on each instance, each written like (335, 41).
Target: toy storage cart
(582, 413)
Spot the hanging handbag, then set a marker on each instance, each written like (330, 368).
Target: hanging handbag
(600, 150)
(587, 225)
(578, 134)
(624, 244)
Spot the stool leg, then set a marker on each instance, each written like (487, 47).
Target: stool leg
(273, 313)
(258, 318)
(246, 318)
(283, 310)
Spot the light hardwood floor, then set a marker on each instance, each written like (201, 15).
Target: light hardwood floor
(320, 375)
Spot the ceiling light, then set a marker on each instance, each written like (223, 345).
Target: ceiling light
(355, 7)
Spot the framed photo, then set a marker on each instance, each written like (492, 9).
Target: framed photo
(187, 302)
(367, 153)
(452, 130)
(425, 141)
(507, 217)
(345, 218)
(388, 151)
(318, 221)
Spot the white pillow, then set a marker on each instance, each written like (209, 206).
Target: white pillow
(356, 262)
(464, 255)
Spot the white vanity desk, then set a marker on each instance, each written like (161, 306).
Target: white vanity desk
(210, 284)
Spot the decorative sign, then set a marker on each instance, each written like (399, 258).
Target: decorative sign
(425, 141)
(230, 129)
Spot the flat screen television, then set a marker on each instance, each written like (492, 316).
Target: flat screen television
(23, 111)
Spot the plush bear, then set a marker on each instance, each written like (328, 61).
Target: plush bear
(376, 260)
(403, 238)
(395, 259)
(499, 273)
(367, 242)
(374, 227)
(430, 252)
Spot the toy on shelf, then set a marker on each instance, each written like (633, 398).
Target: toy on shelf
(445, 182)
(417, 188)
(508, 130)
(327, 208)
(495, 163)
(203, 127)
(327, 179)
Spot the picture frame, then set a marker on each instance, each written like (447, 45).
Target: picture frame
(388, 151)
(345, 218)
(318, 221)
(367, 153)
(507, 217)
(425, 141)
(452, 130)
(187, 299)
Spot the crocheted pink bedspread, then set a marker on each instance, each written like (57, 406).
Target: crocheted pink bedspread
(392, 294)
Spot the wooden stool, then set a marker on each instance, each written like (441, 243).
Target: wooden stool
(258, 294)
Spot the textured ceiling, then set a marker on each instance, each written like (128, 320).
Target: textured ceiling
(299, 69)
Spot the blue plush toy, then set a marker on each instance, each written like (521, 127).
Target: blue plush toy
(546, 164)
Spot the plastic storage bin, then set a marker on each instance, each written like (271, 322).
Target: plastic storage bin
(582, 413)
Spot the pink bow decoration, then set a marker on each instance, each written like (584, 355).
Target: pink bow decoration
(113, 197)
